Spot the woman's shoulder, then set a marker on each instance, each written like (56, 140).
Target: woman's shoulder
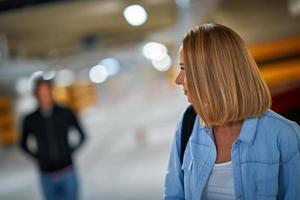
(273, 119)
(287, 133)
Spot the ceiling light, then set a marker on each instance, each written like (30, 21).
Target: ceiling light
(135, 15)
(98, 74)
(294, 7)
(155, 51)
(163, 64)
(112, 65)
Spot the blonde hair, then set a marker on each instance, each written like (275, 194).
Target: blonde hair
(222, 77)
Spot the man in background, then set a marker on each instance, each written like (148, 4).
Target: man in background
(49, 125)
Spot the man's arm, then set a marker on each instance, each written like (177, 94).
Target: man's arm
(24, 138)
(76, 124)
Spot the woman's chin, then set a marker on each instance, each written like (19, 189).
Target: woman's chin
(188, 98)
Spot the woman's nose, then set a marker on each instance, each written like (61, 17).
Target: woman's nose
(179, 78)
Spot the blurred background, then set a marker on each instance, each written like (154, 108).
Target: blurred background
(113, 63)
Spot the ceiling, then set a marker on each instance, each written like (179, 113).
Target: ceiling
(75, 34)
(62, 27)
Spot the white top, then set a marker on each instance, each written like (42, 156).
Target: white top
(220, 184)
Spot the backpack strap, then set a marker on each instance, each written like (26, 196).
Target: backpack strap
(187, 128)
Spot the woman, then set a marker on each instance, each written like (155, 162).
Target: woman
(238, 149)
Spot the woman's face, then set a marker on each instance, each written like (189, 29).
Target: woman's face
(181, 77)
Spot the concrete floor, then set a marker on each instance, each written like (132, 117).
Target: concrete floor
(113, 164)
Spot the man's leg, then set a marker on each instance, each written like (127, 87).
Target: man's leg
(48, 187)
(70, 185)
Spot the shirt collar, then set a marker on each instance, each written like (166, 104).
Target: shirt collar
(248, 130)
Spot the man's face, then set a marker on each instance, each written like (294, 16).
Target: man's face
(44, 96)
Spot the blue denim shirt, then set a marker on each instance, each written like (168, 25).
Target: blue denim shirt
(265, 158)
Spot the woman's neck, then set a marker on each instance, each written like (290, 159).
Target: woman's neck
(224, 137)
(230, 129)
